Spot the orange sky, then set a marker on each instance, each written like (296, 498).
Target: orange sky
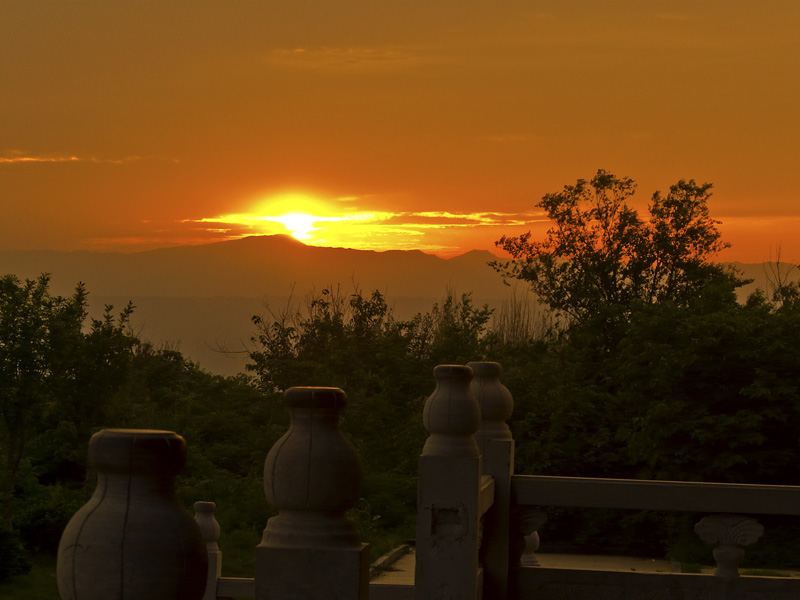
(399, 124)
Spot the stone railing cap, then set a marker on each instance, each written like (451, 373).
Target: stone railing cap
(485, 368)
(136, 450)
(315, 397)
(452, 372)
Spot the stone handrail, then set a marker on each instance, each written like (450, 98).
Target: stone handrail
(729, 533)
(472, 512)
(687, 496)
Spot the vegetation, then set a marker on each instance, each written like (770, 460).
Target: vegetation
(385, 366)
(645, 366)
(600, 258)
(654, 370)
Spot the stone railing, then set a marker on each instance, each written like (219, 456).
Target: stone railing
(727, 527)
(475, 517)
(133, 540)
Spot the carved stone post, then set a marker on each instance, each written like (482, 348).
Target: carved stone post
(448, 520)
(204, 516)
(312, 475)
(526, 522)
(497, 449)
(730, 534)
(133, 539)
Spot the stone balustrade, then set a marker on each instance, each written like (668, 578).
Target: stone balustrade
(729, 533)
(475, 518)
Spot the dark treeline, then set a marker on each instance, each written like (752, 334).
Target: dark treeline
(643, 365)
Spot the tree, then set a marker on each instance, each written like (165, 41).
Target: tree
(384, 365)
(56, 377)
(599, 257)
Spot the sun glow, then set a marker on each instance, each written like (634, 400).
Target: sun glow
(298, 225)
(338, 222)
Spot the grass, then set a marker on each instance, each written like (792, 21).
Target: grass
(39, 584)
(764, 573)
(691, 568)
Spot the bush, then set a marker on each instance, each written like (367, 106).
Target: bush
(13, 559)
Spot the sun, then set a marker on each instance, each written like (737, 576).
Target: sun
(300, 214)
(316, 221)
(299, 225)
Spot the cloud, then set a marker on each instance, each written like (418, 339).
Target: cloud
(428, 231)
(449, 219)
(350, 58)
(672, 17)
(20, 157)
(511, 138)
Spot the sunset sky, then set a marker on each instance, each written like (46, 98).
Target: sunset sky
(387, 124)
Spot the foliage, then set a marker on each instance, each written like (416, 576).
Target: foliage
(652, 371)
(656, 371)
(13, 558)
(57, 376)
(600, 258)
(384, 365)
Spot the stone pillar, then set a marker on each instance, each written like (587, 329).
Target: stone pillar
(496, 444)
(448, 519)
(133, 539)
(204, 516)
(312, 475)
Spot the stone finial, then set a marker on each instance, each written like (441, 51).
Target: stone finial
(132, 539)
(312, 475)
(204, 517)
(730, 534)
(524, 541)
(451, 415)
(494, 399)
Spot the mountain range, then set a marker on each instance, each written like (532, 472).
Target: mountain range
(201, 298)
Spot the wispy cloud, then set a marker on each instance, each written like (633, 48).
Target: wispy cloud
(672, 17)
(511, 138)
(380, 230)
(20, 157)
(351, 58)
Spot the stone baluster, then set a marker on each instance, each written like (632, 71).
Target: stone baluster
(312, 475)
(132, 539)
(204, 516)
(526, 522)
(729, 534)
(448, 519)
(496, 445)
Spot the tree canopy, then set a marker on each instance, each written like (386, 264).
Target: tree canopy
(600, 255)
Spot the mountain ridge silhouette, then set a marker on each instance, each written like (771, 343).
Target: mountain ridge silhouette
(202, 297)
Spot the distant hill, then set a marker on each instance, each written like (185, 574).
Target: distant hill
(254, 267)
(203, 297)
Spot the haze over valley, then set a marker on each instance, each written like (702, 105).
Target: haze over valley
(201, 298)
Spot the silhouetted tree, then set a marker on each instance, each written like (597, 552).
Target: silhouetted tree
(600, 258)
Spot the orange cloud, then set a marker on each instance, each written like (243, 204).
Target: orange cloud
(350, 58)
(18, 157)
(379, 230)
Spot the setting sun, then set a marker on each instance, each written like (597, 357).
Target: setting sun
(299, 225)
(339, 222)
